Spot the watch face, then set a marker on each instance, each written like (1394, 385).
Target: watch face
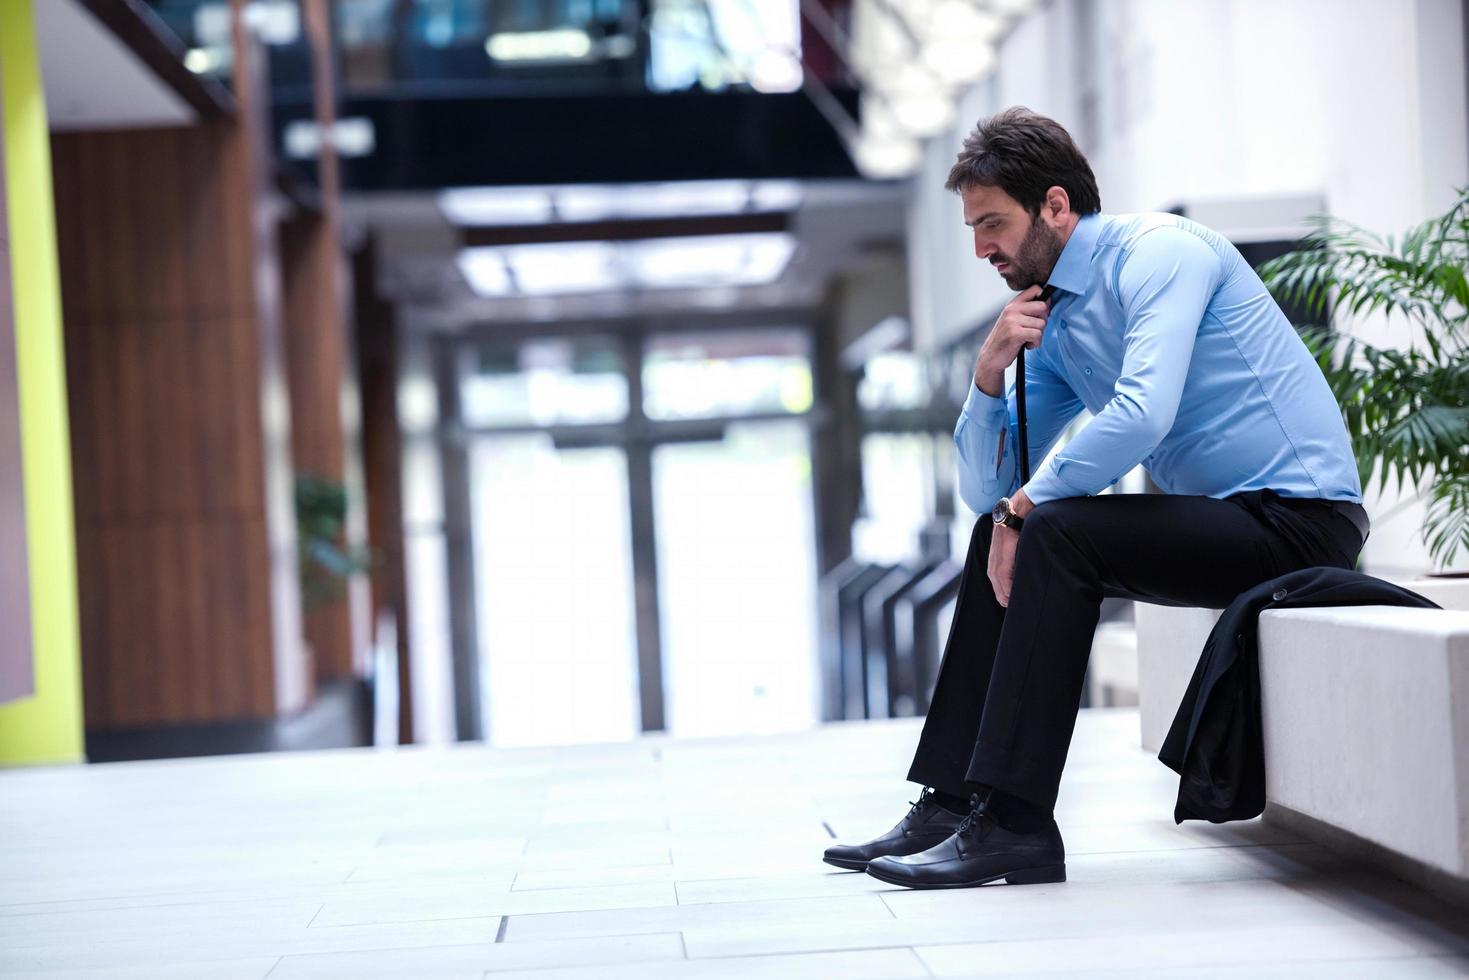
(1001, 511)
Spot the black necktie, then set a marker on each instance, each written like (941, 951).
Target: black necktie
(1024, 440)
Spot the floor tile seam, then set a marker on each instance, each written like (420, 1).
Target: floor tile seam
(862, 945)
(511, 941)
(186, 898)
(469, 918)
(384, 949)
(48, 940)
(562, 888)
(882, 895)
(927, 970)
(208, 948)
(805, 952)
(187, 901)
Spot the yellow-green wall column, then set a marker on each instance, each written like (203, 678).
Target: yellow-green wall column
(46, 727)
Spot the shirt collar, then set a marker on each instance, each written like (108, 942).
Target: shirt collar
(1070, 273)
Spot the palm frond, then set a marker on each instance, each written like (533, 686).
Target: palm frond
(1406, 410)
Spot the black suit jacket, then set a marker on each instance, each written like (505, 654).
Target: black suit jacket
(1215, 743)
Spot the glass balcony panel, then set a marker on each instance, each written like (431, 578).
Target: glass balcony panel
(692, 376)
(546, 381)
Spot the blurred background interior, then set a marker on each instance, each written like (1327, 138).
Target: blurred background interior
(549, 371)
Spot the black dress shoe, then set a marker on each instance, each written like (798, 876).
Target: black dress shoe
(980, 851)
(926, 824)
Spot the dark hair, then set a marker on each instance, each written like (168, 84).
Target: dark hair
(1025, 154)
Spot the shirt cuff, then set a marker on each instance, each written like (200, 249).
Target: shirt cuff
(982, 406)
(1046, 486)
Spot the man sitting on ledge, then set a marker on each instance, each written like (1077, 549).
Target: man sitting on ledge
(1158, 327)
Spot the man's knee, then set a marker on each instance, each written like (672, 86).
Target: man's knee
(1052, 515)
(1056, 523)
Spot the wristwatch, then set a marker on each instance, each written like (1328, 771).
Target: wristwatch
(1004, 515)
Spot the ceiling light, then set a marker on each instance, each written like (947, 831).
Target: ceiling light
(204, 61)
(959, 19)
(710, 260)
(775, 195)
(566, 267)
(924, 114)
(276, 22)
(915, 102)
(775, 71)
(886, 159)
(694, 261)
(959, 60)
(668, 200)
(493, 206)
(484, 270)
(558, 45)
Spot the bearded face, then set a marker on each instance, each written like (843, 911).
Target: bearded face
(1022, 247)
(1033, 260)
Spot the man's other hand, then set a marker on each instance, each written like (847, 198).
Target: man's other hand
(1003, 542)
(1021, 324)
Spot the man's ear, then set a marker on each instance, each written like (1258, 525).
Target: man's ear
(1057, 208)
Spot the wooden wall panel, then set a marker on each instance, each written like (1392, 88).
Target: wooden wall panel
(17, 662)
(318, 359)
(173, 352)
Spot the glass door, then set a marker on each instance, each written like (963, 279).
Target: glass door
(552, 553)
(737, 580)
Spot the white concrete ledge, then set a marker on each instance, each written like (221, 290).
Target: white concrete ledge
(1169, 641)
(1365, 715)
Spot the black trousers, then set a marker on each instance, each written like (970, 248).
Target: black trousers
(1005, 703)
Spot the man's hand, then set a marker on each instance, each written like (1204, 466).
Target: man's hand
(1003, 542)
(1021, 324)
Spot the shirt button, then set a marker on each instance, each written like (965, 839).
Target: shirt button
(1280, 594)
(1088, 372)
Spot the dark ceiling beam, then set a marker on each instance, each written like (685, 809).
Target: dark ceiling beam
(681, 320)
(426, 142)
(631, 229)
(161, 50)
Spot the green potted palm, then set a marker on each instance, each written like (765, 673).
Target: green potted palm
(326, 560)
(1407, 410)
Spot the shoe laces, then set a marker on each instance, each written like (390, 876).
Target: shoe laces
(924, 799)
(979, 812)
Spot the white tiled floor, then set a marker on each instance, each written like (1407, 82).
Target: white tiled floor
(658, 858)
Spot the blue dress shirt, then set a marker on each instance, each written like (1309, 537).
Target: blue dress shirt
(1161, 329)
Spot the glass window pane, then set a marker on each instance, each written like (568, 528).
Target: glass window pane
(690, 376)
(546, 381)
(554, 565)
(737, 581)
(897, 495)
(893, 381)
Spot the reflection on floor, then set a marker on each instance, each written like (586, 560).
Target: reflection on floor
(658, 858)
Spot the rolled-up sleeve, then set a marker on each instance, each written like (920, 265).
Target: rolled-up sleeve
(987, 434)
(1163, 284)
